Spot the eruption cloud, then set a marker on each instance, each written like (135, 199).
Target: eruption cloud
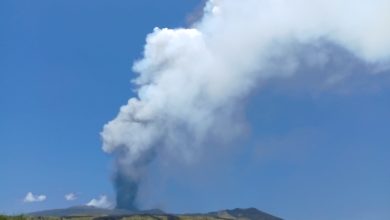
(191, 81)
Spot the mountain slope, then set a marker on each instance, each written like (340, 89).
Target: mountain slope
(244, 214)
(80, 211)
(117, 214)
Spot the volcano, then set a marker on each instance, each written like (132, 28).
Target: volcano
(88, 212)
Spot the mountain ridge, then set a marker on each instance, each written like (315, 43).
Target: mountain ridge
(119, 214)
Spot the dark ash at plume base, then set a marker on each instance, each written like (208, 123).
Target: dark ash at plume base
(128, 177)
(126, 192)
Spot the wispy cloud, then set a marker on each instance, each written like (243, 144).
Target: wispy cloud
(70, 197)
(101, 202)
(30, 197)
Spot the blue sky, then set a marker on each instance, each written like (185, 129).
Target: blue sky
(65, 68)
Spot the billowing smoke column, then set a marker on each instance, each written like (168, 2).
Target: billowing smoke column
(191, 81)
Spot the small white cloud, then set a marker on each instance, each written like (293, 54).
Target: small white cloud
(30, 197)
(70, 197)
(101, 202)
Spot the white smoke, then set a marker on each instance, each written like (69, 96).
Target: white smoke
(101, 202)
(191, 81)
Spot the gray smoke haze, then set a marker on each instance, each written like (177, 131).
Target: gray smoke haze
(192, 81)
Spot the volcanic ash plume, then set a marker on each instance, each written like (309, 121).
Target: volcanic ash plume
(191, 81)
